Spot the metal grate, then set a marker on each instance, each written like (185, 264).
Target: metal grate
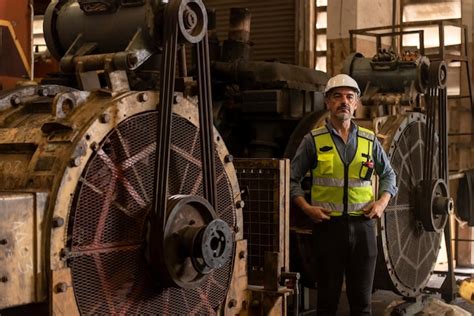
(412, 252)
(265, 214)
(109, 219)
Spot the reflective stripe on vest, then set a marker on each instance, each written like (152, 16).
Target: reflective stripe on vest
(328, 188)
(353, 209)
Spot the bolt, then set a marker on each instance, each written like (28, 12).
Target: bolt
(142, 97)
(43, 92)
(232, 303)
(240, 204)
(242, 254)
(64, 253)
(15, 100)
(105, 118)
(94, 146)
(3, 241)
(58, 222)
(4, 279)
(132, 60)
(61, 287)
(74, 162)
(228, 158)
(177, 99)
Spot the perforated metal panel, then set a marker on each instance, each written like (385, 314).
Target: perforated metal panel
(108, 222)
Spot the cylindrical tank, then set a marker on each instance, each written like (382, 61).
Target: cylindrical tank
(66, 22)
(390, 76)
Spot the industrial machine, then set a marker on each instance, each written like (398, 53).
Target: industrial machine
(269, 98)
(117, 195)
(404, 101)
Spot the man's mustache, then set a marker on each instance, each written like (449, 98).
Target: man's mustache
(343, 107)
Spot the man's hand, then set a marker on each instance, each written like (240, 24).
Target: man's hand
(375, 209)
(317, 214)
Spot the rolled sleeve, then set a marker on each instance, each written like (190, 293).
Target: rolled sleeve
(387, 176)
(303, 161)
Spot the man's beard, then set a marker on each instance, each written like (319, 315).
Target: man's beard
(343, 116)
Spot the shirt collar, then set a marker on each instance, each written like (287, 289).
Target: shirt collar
(332, 130)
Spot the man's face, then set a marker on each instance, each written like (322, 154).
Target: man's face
(342, 103)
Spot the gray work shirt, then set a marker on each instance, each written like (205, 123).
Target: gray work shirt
(306, 159)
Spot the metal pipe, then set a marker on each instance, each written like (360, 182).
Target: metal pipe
(394, 17)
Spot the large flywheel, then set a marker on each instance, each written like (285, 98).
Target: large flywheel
(109, 227)
(407, 250)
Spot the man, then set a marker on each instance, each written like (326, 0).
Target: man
(342, 157)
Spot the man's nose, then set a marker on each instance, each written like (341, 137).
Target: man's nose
(345, 99)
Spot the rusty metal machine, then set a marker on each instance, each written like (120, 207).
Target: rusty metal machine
(119, 196)
(117, 199)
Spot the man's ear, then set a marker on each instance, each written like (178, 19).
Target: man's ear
(326, 102)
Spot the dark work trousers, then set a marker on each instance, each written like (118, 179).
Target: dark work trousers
(345, 246)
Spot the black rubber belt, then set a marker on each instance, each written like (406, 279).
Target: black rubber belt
(167, 83)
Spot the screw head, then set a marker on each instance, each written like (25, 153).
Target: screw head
(74, 162)
(105, 118)
(143, 97)
(177, 99)
(232, 303)
(240, 204)
(228, 158)
(43, 92)
(61, 287)
(15, 100)
(64, 253)
(58, 222)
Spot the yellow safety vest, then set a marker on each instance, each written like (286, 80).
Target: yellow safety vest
(338, 187)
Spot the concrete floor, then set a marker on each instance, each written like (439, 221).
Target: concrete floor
(380, 302)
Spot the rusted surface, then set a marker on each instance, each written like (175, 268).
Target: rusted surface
(22, 279)
(62, 291)
(15, 26)
(237, 300)
(54, 148)
(118, 112)
(266, 213)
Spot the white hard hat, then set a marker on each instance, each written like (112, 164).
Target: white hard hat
(341, 80)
